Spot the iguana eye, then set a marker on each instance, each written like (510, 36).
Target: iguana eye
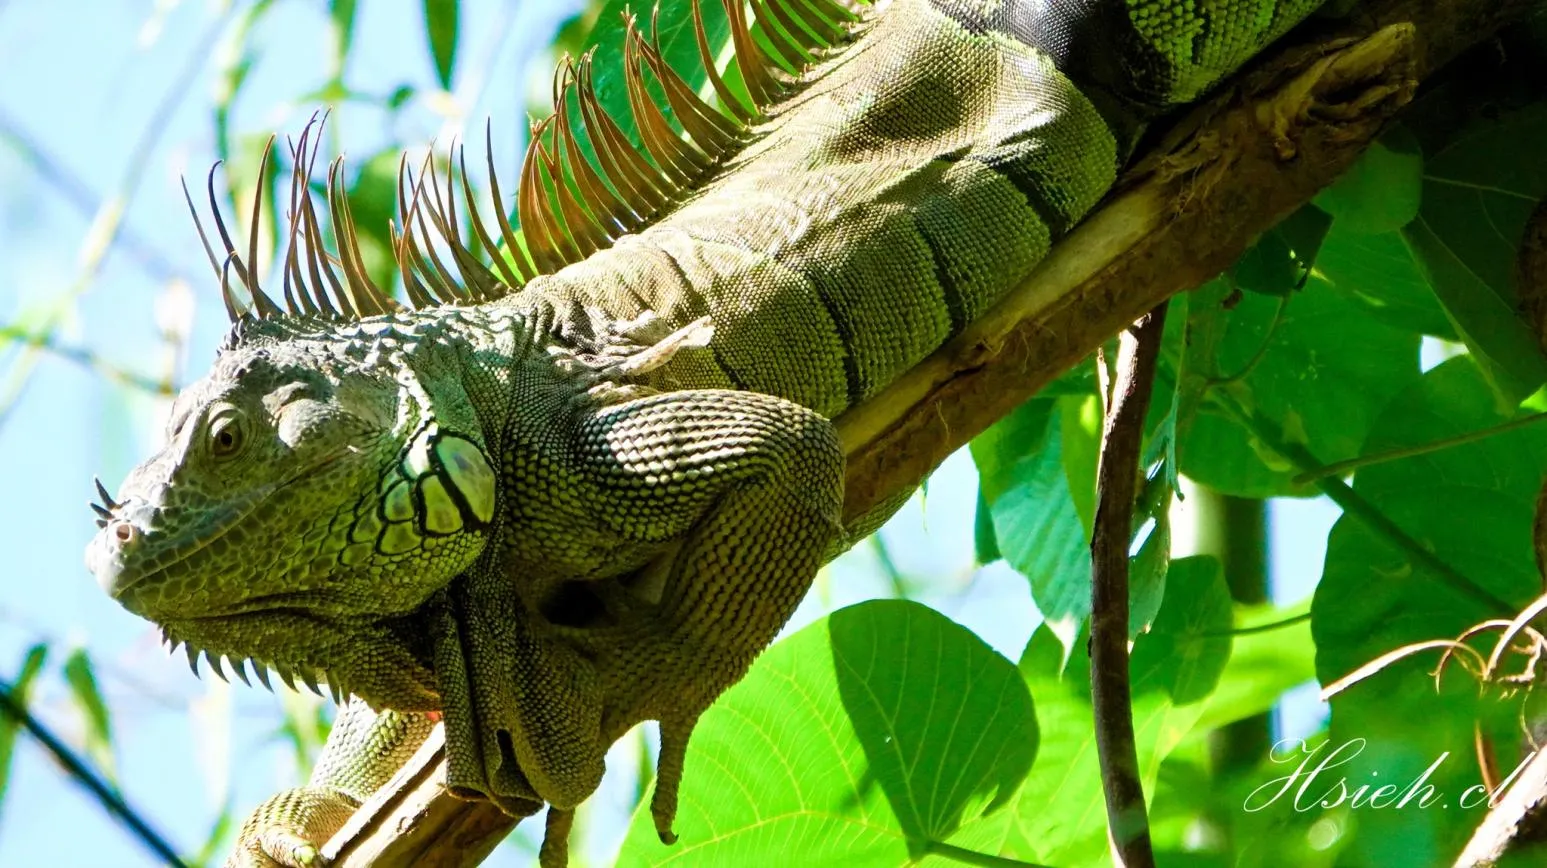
(225, 436)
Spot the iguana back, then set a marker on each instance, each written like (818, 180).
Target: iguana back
(916, 176)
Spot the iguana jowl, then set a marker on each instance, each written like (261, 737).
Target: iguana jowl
(584, 484)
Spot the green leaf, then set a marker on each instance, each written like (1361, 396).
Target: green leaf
(985, 545)
(871, 737)
(1036, 522)
(440, 27)
(400, 96)
(1381, 191)
(1471, 507)
(1268, 267)
(1166, 393)
(1147, 577)
(1263, 664)
(1378, 273)
(79, 675)
(1281, 259)
(21, 689)
(304, 726)
(373, 201)
(1184, 653)
(218, 840)
(1079, 421)
(678, 47)
(1478, 192)
(1320, 371)
(342, 14)
(1059, 814)
(231, 74)
(1274, 836)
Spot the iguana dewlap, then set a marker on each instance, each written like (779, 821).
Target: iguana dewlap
(585, 485)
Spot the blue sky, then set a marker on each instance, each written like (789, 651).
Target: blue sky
(80, 82)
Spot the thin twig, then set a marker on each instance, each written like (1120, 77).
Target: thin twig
(108, 221)
(1117, 476)
(1262, 348)
(86, 777)
(1340, 468)
(89, 204)
(1260, 628)
(84, 357)
(1355, 504)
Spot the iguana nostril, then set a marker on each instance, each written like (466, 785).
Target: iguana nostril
(123, 531)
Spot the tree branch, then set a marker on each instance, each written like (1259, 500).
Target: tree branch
(1116, 487)
(1231, 170)
(78, 769)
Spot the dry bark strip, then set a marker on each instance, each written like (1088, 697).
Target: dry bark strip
(1239, 164)
(1515, 830)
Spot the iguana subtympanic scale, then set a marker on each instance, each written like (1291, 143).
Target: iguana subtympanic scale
(584, 484)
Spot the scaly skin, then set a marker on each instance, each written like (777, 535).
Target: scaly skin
(562, 510)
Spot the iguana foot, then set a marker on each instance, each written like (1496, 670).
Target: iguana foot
(288, 830)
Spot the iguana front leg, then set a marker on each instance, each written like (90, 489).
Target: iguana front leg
(753, 487)
(362, 752)
(724, 502)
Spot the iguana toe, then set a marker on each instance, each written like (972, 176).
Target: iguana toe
(555, 849)
(276, 848)
(668, 774)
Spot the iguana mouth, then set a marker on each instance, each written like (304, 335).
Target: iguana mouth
(109, 551)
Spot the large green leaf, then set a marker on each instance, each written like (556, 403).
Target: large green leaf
(677, 42)
(1379, 274)
(1478, 192)
(1381, 191)
(1470, 507)
(873, 737)
(1036, 520)
(1320, 371)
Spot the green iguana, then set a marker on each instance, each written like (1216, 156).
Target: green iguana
(584, 483)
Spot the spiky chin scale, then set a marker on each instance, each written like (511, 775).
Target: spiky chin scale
(384, 662)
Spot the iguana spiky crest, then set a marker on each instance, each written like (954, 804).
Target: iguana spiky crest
(568, 205)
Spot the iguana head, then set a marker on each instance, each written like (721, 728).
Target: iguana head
(306, 488)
